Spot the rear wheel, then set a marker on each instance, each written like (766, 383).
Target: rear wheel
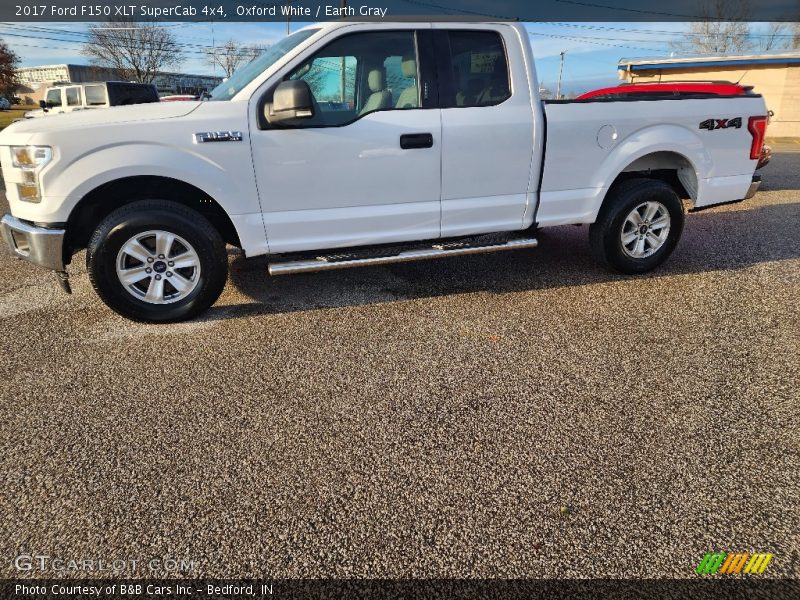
(157, 261)
(638, 227)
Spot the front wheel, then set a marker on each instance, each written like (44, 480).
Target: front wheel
(638, 227)
(157, 261)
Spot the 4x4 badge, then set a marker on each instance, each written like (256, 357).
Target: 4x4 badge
(712, 124)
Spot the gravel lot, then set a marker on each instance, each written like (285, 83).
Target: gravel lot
(426, 419)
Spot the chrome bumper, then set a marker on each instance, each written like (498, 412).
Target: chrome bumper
(38, 245)
(751, 191)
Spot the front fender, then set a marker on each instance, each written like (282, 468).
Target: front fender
(67, 183)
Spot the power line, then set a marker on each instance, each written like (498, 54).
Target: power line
(651, 31)
(196, 49)
(576, 3)
(633, 10)
(86, 35)
(593, 41)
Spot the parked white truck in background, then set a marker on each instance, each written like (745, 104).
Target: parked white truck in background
(70, 97)
(363, 143)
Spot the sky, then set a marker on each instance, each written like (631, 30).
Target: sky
(592, 49)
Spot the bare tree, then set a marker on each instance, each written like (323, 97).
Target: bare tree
(8, 70)
(138, 50)
(724, 29)
(229, 56)
(775, 37)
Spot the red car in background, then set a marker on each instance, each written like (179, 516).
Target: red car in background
(677, 89)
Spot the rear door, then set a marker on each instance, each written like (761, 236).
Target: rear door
(487, 129)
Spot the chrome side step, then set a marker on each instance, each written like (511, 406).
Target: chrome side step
(438, 250)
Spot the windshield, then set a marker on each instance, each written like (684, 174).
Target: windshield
(241, 77)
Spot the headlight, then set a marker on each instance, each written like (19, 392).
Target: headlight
(30, 159)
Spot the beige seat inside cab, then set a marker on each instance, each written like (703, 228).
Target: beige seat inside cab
(380, 97)
(497, 91)
(410, 97)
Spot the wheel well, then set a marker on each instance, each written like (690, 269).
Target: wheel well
(670, 167)
(101, 201)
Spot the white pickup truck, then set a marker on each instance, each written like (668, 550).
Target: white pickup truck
(352, 144)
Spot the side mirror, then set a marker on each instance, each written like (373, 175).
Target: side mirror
(292, 101)
(43, 105)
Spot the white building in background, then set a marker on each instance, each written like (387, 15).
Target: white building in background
(33, 80)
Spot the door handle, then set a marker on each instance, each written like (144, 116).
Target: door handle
(410, 141)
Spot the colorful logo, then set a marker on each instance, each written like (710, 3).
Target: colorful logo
(732, 564)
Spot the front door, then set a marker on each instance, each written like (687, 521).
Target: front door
(366, 168)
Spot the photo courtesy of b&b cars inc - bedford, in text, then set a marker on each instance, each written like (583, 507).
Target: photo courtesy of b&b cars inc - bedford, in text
(399, 299)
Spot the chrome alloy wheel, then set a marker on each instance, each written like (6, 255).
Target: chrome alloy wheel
(645, 229)
(158, 267)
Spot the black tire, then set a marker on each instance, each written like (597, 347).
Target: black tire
(605, 234)
(149, 215)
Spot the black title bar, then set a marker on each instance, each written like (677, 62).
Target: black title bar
(396, 10)
(715, 587)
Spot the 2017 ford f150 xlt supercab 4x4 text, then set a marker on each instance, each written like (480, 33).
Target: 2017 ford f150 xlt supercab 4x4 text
(352, 144)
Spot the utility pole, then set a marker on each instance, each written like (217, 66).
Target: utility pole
(560, 73)
(289, 18)
(214, 48)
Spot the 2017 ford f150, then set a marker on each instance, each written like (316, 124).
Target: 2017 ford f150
(352, 144)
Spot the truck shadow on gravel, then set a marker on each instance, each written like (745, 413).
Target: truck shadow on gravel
(726, 238)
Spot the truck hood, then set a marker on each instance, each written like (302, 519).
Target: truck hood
(98, 116)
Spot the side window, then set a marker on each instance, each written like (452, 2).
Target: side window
(480, 68)
(74, 96)
(361, 73)
(95, 95)
(53, 97)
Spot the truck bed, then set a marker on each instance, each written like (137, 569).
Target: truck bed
(590, 141)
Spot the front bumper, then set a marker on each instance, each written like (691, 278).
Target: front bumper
(38, 245)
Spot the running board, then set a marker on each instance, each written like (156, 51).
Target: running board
(345, 261)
